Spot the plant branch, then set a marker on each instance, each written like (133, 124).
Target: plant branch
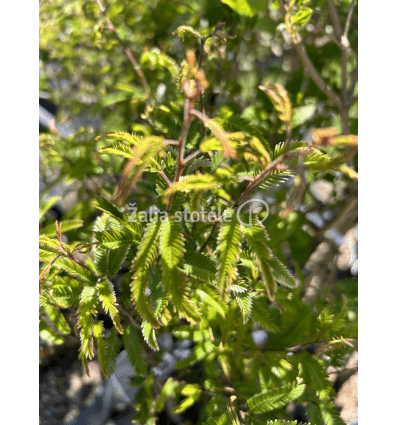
(308, 65)
(251, 186)
(349, 17)
(75, 260)
(344, 45)
(219, 27)
(209, 238)
(127, 51)
(248, 189)
(62, 252)
(300, 347)
(163, 174)
(271, 167)
(169, 142)
(354, 81)
(335, 19)
(314, 74)
(192, 156)
(131, 320)
(181, 145)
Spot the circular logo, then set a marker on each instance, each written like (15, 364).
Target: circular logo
(255, 207)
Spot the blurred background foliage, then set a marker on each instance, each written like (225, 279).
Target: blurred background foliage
(93, 74)
(87, 75)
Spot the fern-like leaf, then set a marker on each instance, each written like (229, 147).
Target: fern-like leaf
(132, 344)
(229, 240)
(235, 122)
(149, 334)
(172, 252)
(193, 182)
(142, 155)
(275, 179)
(159, 303)
(281, 273)
(116, 259)
(145, 258)
(262, 315)
(273, 399)
(66, 292)
(256, 237)
(116, 238)
(211, 298)
(328, 413)
(244, 301)
(106, 206)
(87, 309)
(120, 137)
(280, 99)
(119, 148)
(200, 266)
(98, 332)
(107, 296)
(280, 148)
(58, 319)
(73, 269)
(111, 350)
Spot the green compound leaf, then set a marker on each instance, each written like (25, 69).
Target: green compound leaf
(273, 399)
(132, 344)
(229, 241)
(143, 261)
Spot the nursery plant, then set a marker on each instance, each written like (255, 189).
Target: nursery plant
(191, 225)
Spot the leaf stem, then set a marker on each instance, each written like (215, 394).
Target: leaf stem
(181, 146)
(192, 156)
(127, 51)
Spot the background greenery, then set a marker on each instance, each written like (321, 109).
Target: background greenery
(85, 72)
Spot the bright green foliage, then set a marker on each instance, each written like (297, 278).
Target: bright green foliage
(199, 142)
(106, 294)
(145, 258)
(111, 350)
(272, 399)
(193, 182)
(256, 237)
(87, 309)
(171, 249)
(132, 344)
(200, 266)
(192, 393)
(228, 245)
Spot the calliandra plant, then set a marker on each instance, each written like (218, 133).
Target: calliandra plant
(212, 282)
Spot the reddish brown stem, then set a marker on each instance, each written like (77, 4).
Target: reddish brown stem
(181, 146)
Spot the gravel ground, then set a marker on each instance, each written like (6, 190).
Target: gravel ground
(64, 388)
